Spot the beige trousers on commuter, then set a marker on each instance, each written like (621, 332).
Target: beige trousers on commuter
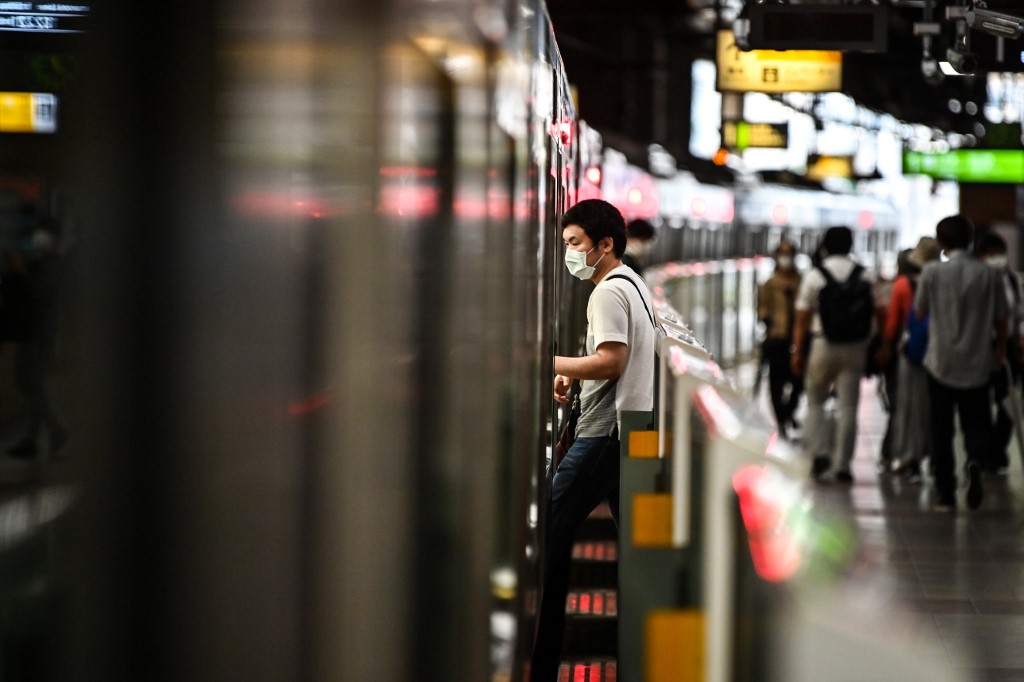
(840, 365)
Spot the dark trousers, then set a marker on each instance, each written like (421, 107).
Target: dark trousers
(974, 407)
(586, 476)
(889, 374)
(780, 377)
(1002, 429)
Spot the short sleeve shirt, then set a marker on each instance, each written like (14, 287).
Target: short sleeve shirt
(615, 313)
(963, 298)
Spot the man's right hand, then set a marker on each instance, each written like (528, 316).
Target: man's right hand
(562, 386)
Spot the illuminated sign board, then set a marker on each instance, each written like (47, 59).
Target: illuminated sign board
(742, 135)
(968, 165)
(776, 71)
(822, 167)
(28, 112)
(43, 17)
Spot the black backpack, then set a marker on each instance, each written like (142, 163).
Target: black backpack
(846, 308)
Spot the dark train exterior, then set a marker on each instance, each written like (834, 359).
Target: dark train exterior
(318, 287)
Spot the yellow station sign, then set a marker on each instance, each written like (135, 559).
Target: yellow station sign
(776, 70)
(28, 112)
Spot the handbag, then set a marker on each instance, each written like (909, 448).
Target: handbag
(568, 434)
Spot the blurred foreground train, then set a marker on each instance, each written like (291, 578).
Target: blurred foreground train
(319, 306)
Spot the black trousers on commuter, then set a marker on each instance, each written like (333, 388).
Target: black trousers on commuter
(975, 409)
(776, 353)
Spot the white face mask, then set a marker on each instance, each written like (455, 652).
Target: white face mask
(997, 261)
(576, 261)
(638, 249)
(784, 262)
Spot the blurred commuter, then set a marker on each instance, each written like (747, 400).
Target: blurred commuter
(991, 249)
(639, 239)
(837, 356)
(28, 289)
(776, 302)
(888, 368)
(617, 372)
(965, 301)
(909, 416)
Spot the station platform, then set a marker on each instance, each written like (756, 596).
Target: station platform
(946, 589)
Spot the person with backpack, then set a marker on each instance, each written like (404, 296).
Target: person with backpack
(965, 302)
(905, 331)
(838, 310)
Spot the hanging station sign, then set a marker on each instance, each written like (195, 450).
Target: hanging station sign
(43, 17)
(776, 70)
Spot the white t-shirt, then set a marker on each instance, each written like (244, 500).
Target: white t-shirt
(615, 313)
(813, 282)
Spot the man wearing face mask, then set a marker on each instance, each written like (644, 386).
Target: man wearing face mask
(639, 238)
(992, 251)
(617, 374)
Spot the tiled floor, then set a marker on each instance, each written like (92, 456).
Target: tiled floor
(951, 585)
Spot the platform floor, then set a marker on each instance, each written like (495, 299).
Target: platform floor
(953, 583)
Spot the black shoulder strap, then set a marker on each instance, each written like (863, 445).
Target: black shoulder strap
(637, 287)
(829, 279)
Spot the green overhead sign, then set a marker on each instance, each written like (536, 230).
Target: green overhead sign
(968, 165)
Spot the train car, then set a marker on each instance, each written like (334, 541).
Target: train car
(319, 282)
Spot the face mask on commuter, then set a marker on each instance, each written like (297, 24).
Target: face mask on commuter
(576, 261)
(638, 249)
(784, 262)
(998, 261)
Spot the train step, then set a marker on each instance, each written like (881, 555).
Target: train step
(597, 670)
(598, 526)
(591, 623)
(595, 564)
(590, 635)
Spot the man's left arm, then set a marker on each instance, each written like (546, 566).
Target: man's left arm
(1001, 323)
(1001, 335)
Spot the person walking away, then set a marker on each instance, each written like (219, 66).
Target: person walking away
(902, 342)
(885, 361)
(992, 251)
(837, 308)
(776, 303)
(965, 302)
(617, 371)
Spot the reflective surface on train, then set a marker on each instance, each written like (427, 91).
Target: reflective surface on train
(311, 284)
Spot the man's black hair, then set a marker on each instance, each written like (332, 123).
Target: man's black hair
(598, 219)
(837, 241)
(955, 231)
(640, 229)
(990, 242)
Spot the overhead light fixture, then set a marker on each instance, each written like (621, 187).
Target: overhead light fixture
(963, 63)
